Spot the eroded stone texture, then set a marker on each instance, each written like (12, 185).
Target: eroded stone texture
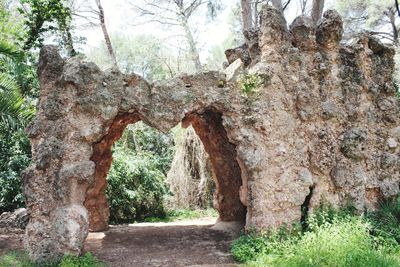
(208, 126)
(325, 119)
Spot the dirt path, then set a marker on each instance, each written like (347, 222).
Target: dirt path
(185, 243)
(188, 243)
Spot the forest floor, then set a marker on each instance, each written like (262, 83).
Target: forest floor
(181, 243)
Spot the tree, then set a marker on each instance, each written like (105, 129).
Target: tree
(317, 9)
(47, 16)
(247, 17)
(277, 4)
(17, 94)
(177, 13)
(378, 17)
(145, 55)
(105, 32)
(92, 12)
(250, 12)
(137, 178)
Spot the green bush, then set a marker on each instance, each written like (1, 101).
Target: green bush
(332, 238)
(15, 259)
(15, 156)
(385, 223)
(20, 259)
(136, 188)
(249, 247)
(344, 242)
(183, 214)
(86, 260)
(136, 181)
(250, 84)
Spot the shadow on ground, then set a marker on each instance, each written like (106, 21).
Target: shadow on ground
(189, 243)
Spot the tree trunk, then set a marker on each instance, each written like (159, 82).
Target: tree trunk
(105, 33)
(246, 15)
(194, 54)
(277, 4)
(303, 6)
(392, 18)
(317, 9)
(69, 43)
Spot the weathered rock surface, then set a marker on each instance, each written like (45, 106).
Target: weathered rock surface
(17, 219)
(322, 127)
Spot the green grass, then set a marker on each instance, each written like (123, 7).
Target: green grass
(15, 259)
(183, 214)
(331, 238)
(20, 259)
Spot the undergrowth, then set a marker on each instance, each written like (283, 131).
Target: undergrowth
(250, 84)
(183, 214)
(20, 259)
(332, 238)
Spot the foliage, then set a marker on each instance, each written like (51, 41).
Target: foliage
(142, 138)
(86, 260)
(250, 84)
(252, 245)
(371, 15)
(345, 242)
(183, 214)
(46, 16)
(15, 259)
(14, 158)
(136, 180)
(385, 223)
(144, 54)
(18, 89)
(333, 238)
(20, 259)
(11, 27)
(248, 247)
(15, 111)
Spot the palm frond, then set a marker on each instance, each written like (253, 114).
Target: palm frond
(14, 112)
(8, 49)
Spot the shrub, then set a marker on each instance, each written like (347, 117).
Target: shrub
(344, 242)
(136, 188)
(14, 158)
(250, 84)
(248, 247)
(183, 214)
(333, 238)
(86, 260)
(15, 259)
(136, 181)
(385, 223)
(251, 246)
(20, 259)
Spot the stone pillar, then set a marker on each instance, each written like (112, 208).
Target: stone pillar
(55, 184)
(96, 201)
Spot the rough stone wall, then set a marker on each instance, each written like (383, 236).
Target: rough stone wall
(324, 121)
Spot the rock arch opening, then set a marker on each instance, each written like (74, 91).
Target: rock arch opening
(208, 125)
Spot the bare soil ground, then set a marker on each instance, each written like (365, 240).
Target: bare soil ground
(185, 243)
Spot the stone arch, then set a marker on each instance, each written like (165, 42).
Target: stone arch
(208, 125)
(321, 126)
